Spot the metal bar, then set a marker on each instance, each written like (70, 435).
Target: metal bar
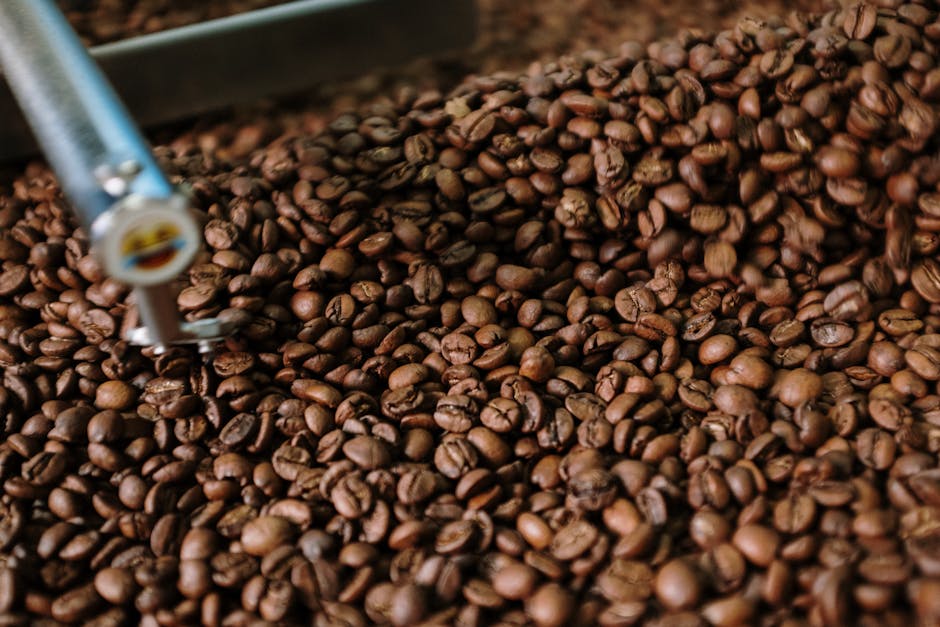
(158, 312)
(73, 111)
(93, 145)
(276, 51)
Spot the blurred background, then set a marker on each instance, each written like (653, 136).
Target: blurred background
(513, 33)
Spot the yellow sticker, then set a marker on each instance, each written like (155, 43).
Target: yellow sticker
(149, 247)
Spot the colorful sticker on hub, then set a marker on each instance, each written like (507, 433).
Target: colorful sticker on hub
(151, 247)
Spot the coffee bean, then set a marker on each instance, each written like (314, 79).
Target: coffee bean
(115, 585)
(13, 280)
(515, 581)
(351, 496)
(534, 530)
(860, 21)
(550, 605)
(708, 529)
(757, 543)
(677, 585)
(75, 605)
(367, 452)
(44, 468)
(261, 535)
(795, 514)
(800, 386)
(455, 413)
(593, 489)
(455, 537)
(317, 392)
(573, 540)
(892, 50)
(115, 395)
(407, 605)
(875, 448)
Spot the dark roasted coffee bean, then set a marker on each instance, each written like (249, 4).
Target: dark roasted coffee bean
(261, 535)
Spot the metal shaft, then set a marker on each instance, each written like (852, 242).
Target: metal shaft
(84, 130)
(275, 51)
(157, 307)
(76, 116)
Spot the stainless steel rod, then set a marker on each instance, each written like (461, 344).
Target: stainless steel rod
(74, 113)
(158, 312)
(276, 51)
(138, 223)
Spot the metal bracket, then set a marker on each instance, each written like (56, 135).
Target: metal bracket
(202, 333)
(116, 179)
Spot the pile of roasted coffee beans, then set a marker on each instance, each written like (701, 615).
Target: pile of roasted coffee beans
(511, 32)
(514, 30)
(645, 338)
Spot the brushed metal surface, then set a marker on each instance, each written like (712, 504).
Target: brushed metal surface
(281, 50)
(73, 111)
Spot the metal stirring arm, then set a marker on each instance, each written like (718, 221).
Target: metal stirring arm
(140, 225)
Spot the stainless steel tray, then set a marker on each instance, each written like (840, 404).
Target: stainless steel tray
(280, 50)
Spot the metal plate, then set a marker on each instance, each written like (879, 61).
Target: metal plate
(280, 50)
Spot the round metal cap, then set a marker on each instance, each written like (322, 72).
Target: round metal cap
(147, 241)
